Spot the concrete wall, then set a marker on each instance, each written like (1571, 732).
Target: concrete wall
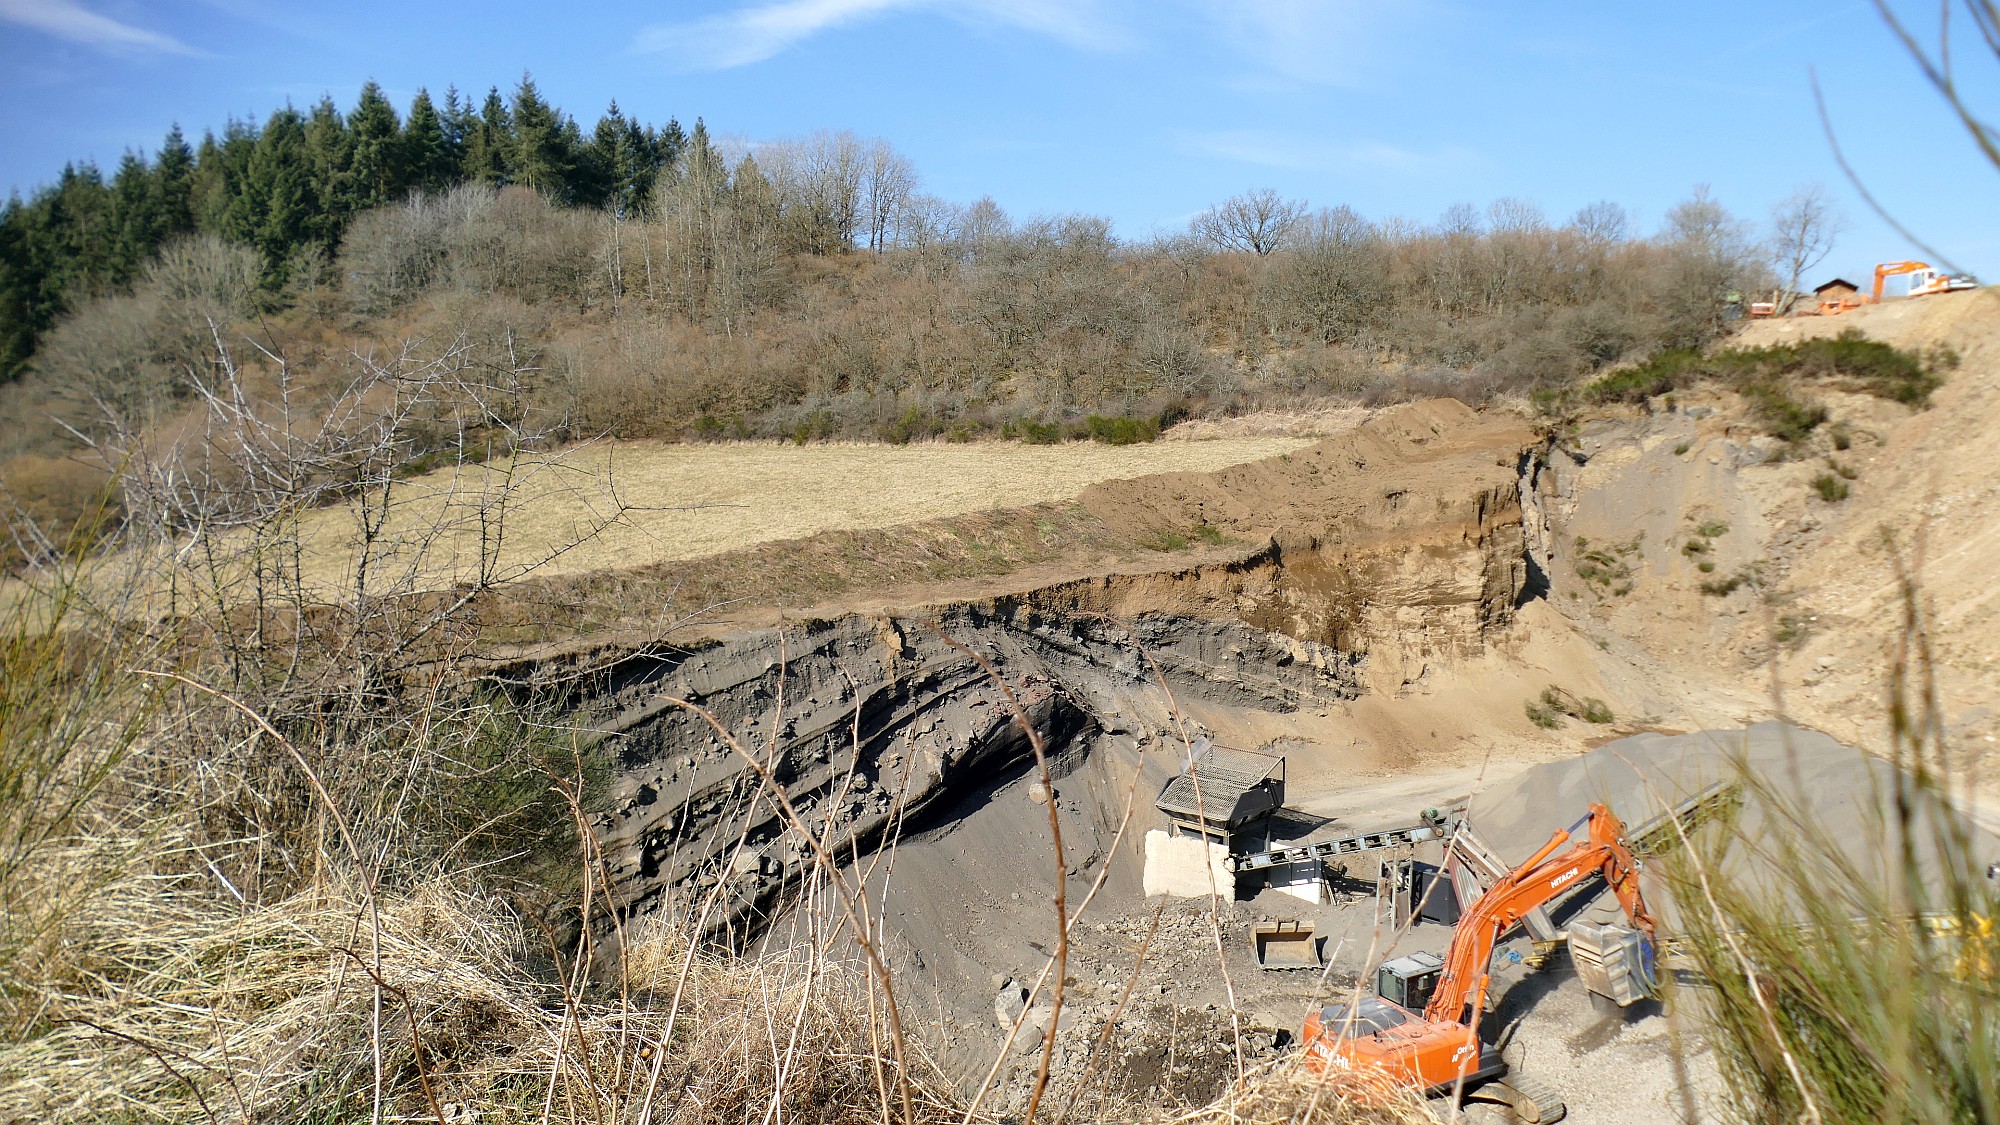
(1187, 867)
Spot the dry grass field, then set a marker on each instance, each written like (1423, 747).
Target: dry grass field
(633, 504)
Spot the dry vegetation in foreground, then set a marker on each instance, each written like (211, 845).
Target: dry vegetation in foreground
(1855, 983)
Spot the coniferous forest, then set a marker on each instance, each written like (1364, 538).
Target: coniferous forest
(289, 187)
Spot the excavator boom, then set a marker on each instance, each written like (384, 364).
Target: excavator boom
(1547, 875)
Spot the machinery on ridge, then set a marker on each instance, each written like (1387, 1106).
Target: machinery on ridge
(1421, 1028)
(1895, 280)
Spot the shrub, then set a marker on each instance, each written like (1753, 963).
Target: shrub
(1609, 568)
(1030, 432)
(1762, 375)
(913, 424)
(1543, 715)
(1723, 587)
(1556, 701)
(1784, 415)
(1792, 629)
(1121, 430)
(816, 426)
(1830, 488)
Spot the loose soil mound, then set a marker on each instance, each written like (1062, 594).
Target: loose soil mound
(1306, 495)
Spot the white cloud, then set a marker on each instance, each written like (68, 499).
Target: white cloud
(66, 19)
(753, 34)
(1329, 42)
(1276, 150)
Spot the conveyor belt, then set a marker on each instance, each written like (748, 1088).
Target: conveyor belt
(1328, 849)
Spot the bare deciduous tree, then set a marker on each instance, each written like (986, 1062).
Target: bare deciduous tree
(1601, 223)
(1712, 254)
(819, 180)
(298, 533)
(1334, 280)
(1260, 221)
(1803, 228)
(887, 180)
(981, 224)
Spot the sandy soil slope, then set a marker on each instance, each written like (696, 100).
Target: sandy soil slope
(1932, 485)
(1813, 638)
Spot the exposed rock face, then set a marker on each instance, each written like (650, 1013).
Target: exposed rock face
(1402, 542)
(867, 722)
(1364, 557)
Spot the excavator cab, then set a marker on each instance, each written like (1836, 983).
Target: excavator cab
(1408, 982)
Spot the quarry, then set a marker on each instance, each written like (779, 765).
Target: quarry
(1190, 580)
(1438, 613)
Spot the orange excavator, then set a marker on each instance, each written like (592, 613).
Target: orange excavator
(1898, 279)
(1420, 1030)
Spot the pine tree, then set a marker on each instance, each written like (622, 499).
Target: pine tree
(81, 233)
(427, 150)
(643, 148)
(542, 154)
(173, 185)
(328, 159)
(278, 207)
(221, 167)
(380, 173)
(668, 143)
(574, 172)
(700, 163)
(458, 119)
(489, 142)
(20, 287)
(629, 157)
(134, 227)
(601, 174)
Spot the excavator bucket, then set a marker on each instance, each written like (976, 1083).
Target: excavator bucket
(1288, 945)
(1613, 961)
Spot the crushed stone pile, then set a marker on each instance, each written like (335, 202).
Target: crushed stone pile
(1793, 784)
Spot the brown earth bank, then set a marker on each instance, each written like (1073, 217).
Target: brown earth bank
(1385, 607)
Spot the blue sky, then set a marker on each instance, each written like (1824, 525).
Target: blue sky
(1141, 110)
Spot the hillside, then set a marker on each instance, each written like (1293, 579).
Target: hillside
(1828, 603)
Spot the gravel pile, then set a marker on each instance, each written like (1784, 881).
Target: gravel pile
(1793, 784)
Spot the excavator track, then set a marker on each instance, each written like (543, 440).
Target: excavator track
(1517, 1098)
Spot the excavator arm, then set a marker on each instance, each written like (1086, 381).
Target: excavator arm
(1376, 1041)
(1547, 875)
(1887, 270)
